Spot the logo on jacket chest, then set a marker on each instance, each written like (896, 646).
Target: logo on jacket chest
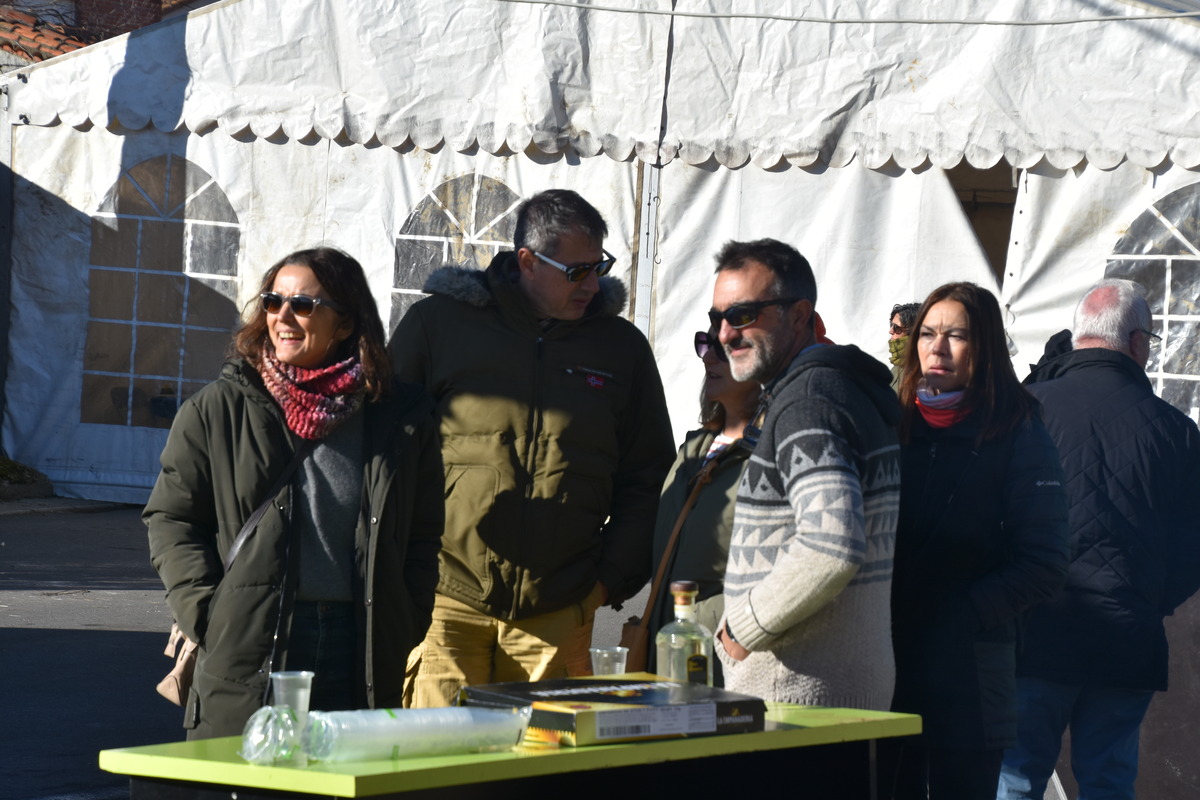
(592, 378)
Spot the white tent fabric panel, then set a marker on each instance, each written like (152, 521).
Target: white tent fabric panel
(878, 88)
(822, 82)
(285, 197)
(1074, 228)
(498, 76)
(873, 240)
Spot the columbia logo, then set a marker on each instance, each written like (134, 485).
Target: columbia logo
(1048, 483)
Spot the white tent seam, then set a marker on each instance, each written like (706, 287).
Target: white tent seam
(856, 20)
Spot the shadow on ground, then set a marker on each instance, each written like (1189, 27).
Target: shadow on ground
(68, 695)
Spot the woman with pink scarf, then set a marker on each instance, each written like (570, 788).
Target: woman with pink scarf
(307, 427)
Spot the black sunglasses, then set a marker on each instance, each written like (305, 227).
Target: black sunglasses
(705, 342)
(579, 272)
(743, 314)
(302, 305)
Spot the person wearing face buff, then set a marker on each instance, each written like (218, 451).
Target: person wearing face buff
(982, 536)
(900, 323)
(338, 575)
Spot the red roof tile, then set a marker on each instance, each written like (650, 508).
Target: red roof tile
(33, 40)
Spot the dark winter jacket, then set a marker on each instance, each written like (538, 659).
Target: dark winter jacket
(227, 446)
(703, 546)
(555, 439)
(982, 537)
(1133, 469)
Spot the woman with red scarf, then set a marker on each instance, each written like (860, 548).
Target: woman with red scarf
(981, 537)
(338, 574)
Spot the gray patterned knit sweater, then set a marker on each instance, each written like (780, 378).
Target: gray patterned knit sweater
(808, 583)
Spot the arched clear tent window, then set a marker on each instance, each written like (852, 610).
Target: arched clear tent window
(1161, 252)
(463, 222)
(162, 284)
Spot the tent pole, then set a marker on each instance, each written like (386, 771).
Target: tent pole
(643, 293)
(6, 227)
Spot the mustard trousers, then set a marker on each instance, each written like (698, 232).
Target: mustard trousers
(465, 647)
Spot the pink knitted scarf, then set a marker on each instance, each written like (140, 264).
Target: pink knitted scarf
(314, 401)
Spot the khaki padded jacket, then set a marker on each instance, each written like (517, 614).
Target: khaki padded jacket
(555, 440)
(227, 447)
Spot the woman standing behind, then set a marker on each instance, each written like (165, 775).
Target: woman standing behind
(726, 408)
(338, 575)
(981, 537)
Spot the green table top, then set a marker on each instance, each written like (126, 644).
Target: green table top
(215, 761)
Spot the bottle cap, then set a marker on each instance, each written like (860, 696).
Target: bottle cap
(685, 592)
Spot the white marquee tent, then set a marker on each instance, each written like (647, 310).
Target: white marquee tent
(155, 176)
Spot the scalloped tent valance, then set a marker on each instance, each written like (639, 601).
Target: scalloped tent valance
(817, 83)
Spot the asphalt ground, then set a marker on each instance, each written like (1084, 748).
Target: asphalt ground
(83, 624)
(82, 627)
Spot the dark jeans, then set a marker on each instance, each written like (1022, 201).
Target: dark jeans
(1104, 723)
(324, 639)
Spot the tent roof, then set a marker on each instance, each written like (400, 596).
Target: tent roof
(913, 83)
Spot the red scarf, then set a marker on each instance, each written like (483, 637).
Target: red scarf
(941, 417)
(941, 410)
(314, 401)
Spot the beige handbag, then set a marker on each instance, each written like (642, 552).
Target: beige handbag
(175, 686)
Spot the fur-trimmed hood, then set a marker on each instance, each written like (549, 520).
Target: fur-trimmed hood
(473, 286)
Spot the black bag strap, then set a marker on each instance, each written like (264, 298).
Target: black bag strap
(252, 521)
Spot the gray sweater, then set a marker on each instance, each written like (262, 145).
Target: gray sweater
(808, 583)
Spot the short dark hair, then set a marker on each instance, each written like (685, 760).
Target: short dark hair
(548, 215)
(343, 278)
(793, 275)
(992, 388)
(907, 313)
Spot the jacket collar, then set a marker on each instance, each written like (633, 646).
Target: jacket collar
(405, 405)
(869, 374)
(1089, 358)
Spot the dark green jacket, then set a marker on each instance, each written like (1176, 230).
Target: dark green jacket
(703, 546)
(226, 448)
(555, 439)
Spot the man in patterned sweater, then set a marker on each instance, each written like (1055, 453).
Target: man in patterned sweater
(808, 583)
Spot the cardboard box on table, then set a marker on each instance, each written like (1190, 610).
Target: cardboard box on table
(606, 710)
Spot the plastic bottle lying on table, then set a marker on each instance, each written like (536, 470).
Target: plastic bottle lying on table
(272, 736)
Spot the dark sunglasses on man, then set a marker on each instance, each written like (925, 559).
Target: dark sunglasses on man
(302, 305)
(744, 314)
(580, 271)
(704, 342)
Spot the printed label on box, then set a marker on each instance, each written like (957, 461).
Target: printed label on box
(656, 721)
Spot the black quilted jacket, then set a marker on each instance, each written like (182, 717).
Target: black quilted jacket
(1132, 463)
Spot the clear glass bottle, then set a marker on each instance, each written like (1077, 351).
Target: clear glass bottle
(685, 647)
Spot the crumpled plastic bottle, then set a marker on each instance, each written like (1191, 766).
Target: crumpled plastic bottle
(272, 736)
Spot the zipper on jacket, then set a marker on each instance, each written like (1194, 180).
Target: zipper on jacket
(531, 456)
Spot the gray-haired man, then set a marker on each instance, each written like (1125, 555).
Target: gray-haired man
(1094, 655)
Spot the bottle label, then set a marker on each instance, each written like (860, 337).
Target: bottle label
(697, 669)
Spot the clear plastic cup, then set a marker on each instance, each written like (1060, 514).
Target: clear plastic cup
(608, 660)
(291, 689)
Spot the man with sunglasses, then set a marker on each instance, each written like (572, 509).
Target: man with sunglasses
(556, 441)
(808, 581)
